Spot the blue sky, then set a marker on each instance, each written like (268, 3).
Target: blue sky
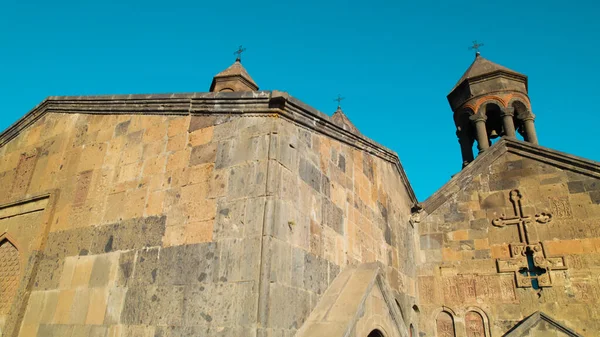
(394, 61)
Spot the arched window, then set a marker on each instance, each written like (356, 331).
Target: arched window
(493, 124)
(445, 325)
(476, 323)
(375, 333)
(520, 111)
(9, 274)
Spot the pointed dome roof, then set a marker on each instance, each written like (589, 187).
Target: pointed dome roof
(340, 119)
(235, 78)
(482, 66)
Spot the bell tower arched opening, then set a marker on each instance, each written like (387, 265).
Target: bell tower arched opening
(375, 333)
(498, 100)
(493, 123)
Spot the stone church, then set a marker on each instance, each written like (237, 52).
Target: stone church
(240, 212)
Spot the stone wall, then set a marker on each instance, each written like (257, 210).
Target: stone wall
(177, 223)
(156, 225)
(467, 258)
(333, 205)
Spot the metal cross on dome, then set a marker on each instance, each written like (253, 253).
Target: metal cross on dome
(339, 99)
(476, 45)
(239, 52)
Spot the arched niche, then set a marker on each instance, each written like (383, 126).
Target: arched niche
(10, 270)
(521, 111)
(376, 333)
(465, 131)
(476, 323)
(492, 110)
(444, 324)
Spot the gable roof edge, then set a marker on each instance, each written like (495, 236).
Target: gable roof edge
(29, 118)
(529, 322)
(519, 147)
(250, 103)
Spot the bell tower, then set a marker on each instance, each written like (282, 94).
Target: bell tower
(490, 101)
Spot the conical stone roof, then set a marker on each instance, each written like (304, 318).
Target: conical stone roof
(482, 66)
(237, 74)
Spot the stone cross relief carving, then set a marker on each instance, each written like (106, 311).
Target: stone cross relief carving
(528, 260)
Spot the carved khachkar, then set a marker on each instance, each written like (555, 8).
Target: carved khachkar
(528, 260)
(9, 274)
(474, 324)
(445, 325)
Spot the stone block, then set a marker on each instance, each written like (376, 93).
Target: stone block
(146, 268)
(199, 231)
(482, 254)
(178, 125)
(480, 224)
(202, 121)
(310, 174)
(80, 306)
(103, 270)
(125, 268)
(114, 305)
(576, 187)
(247, 180)
(83, 271)
(288, 307)
(67, 272)
(121, 128)
(178, 160)
(97, 306)
(63, 306)
(499, 184)
(49, 308)
(591, 185)
(500, 251)
(230, 220)
(154, 204)
(239, 260)
(459, 235)
(432, 241)
(201, 136)
(595, 197)
(315, 274)
(189, 264)
(455, 217)
(203, 308)
(202, 154)
(333, 216)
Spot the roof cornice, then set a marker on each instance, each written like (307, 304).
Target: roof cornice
(262, 103)
(521, 148)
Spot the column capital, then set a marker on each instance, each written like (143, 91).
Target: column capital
(478, 118)
(529, 117)
(508, 111)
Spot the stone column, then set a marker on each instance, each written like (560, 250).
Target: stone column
(530, 129)
(466, 146)
(483, 142)
(508, 123)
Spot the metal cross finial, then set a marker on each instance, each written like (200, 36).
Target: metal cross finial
(476, 45)
(339, 99)
(239, 53)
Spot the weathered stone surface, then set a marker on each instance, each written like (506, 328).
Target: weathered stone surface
(207, 214)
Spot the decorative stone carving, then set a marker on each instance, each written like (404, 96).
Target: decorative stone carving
(474, 324)
(9, 274)
(528, 261)
(561, 207)
(445, 325)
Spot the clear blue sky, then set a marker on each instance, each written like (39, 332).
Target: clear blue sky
(394, 61)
